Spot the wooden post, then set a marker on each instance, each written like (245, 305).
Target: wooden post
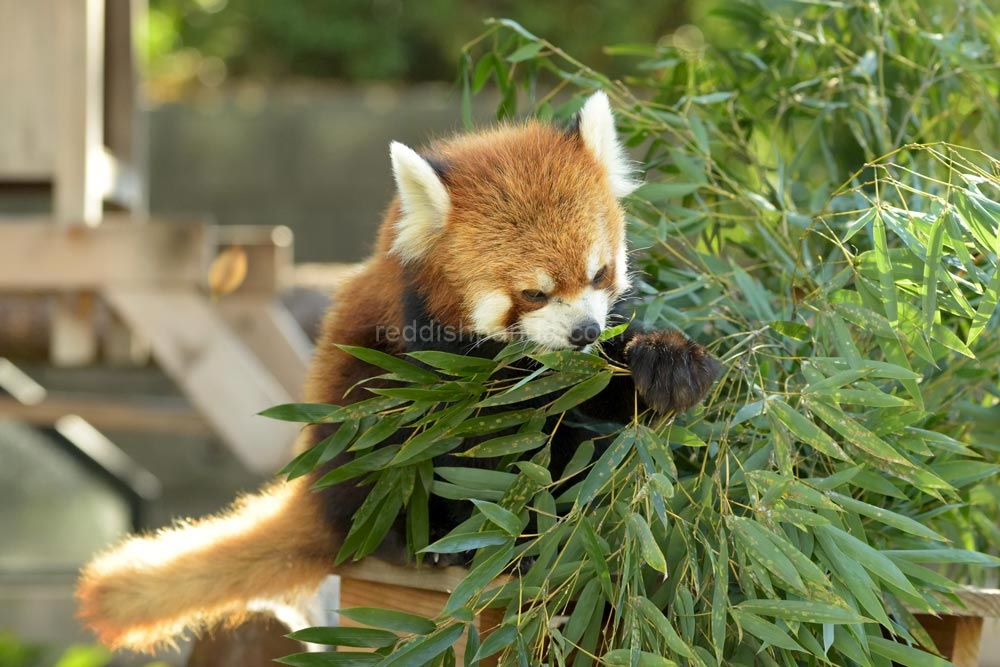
(124, 129)
(80, 171)
(424, 591)
(79, 126)
(957, 634)
(256, 642)
(956, 637)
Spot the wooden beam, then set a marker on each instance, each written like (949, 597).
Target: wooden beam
(269, 254)
(982, 602)
(956, 637)
(73, 335)
(217, 373)
(424, 591)
(957, 634)
(36, 255)
(272, 334)
(426, 578)
(111, 413)
(256, 642)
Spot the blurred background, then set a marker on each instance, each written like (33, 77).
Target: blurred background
(181, 184)
(280, 113)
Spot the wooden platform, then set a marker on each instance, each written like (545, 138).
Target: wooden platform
(373, 583)
(958, 635)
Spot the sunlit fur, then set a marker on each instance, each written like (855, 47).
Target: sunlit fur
(475, 225)
(147, 590)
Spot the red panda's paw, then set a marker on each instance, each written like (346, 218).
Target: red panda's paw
(671, 372)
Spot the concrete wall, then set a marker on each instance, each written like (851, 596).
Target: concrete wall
(314, 159)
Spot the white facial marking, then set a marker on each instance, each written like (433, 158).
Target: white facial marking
(622, 282)
(544, 281)
(424, 200)
(595, 260)
(489, 313)
(597, 127)
(551, 325)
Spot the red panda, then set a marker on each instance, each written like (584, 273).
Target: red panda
(510, 234)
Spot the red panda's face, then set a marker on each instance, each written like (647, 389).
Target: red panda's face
(517, 233)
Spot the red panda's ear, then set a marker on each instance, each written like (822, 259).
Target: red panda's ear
(424, 201)
(596, 126)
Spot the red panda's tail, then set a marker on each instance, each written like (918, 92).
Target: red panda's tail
(148, 590)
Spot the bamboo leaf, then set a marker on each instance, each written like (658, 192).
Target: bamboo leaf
(505, 445)
(494, 480)
(491, 423)
(759, 546)
(893, 519)
(497, 640)
(641, 533)
(358, 466)
(395, 365)
(804, 611)
(987, 307)
(571, 361)
(539, 387)
(580, 393)
(422, 649)
(309, 413)
(766, 631)
(890, 297)
(655, 617)
(462, 542)
(805, 430)
(622, 657)
(656, 192)
(526, 52)
(856, 434)
(454, 364)
(872, 560)
(379, 431)
(478, 578)
(721, 606)
(504, 519)
(330, 659)
(340, 636)
(587, 606)
(932, 265)
(905, 655)
(605, 466)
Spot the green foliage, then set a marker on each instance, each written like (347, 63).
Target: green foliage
(362, 40)
(17, 653)
(821, 204)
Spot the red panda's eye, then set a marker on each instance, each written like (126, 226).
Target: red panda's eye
(534, 295)
(599, 276)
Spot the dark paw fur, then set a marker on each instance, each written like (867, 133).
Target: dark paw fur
(671, 372)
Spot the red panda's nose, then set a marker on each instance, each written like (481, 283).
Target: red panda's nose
(584, 333)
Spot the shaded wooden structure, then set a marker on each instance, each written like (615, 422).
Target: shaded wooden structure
(958, 634)
(373, 583)
(94, 278)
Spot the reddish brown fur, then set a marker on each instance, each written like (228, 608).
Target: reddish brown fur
(500, 215)
(130, 598)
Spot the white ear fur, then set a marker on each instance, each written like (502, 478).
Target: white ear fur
(424, 200)
(597, 128)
